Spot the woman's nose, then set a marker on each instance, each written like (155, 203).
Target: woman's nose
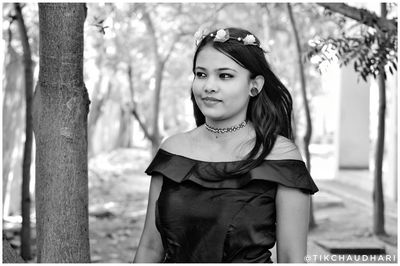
(210, 85)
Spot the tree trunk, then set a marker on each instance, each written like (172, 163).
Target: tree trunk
(379, 217)
(26, 165)
(10, 255)
(142, 123)
(60, 110)
(159, 67)
(159, 61)
(125, 128)
(156, 136)
(96, 110)
(308, 133)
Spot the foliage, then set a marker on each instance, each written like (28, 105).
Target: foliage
(372, 51)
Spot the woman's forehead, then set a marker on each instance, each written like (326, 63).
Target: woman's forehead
(209, 57)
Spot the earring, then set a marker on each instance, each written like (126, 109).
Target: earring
(253, 92)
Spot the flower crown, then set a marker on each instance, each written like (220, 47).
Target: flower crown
(222, 35)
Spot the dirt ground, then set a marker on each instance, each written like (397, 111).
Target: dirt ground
(118, 198)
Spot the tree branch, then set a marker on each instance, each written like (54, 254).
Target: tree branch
(362, 15)
(141, 123)
(171, 48)
(134, 111)
(152, 32)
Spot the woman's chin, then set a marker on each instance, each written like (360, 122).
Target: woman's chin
(214, 116)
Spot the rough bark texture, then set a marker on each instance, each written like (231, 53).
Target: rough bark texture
(379, 217)
(60, 125)
(10, 255)
(26, 164)
(308, 133)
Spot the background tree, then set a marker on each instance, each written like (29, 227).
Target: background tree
(308, 131)
(373, 54)
(60, 111)
(26, 167)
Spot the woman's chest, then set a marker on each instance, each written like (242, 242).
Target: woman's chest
(189, 203)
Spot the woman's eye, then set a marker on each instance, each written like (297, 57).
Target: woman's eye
(225, 76)
(200, 75)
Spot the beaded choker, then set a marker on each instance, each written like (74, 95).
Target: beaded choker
(226, 129)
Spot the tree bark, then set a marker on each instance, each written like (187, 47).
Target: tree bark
(363, 16)
(26, 164)
(379, 217)
(308, 133)
(60, 110)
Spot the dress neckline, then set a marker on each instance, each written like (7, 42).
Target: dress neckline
(225, 162)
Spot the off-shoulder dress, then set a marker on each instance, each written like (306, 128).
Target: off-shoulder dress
(203, 216)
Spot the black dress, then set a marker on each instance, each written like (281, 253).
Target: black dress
(205, 217)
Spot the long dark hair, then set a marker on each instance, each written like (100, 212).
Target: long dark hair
(269, 111)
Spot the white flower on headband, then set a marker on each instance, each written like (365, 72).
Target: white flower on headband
(200, 34)
(221, 36)
(249, 40)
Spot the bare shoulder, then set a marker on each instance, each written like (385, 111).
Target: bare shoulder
(180, 143)
(284, 149)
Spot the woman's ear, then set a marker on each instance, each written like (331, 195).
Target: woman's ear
(258, 82)
(256, 85)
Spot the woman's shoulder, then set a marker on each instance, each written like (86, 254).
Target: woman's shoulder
(179, 143)
(284, 149)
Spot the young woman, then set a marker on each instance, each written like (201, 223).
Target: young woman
(231, 188)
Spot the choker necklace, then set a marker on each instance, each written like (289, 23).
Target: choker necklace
(226, 129)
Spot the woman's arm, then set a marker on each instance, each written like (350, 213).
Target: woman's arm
(150, 246)
(292, 216)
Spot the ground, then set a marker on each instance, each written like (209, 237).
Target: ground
(118, 198)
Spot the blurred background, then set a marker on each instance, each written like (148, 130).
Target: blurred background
(137, 67)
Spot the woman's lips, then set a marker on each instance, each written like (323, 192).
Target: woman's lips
(211, 99)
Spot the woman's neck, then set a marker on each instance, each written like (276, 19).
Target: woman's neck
(232, 134)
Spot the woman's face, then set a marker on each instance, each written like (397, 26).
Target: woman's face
(221, 87)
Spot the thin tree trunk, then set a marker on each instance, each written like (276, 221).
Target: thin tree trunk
(95, 112)
(26, 165)
(159, 67)
(379, 215)
(159, 61)
(308, 133)
(156, 137)
(134, 112)
(60, 112)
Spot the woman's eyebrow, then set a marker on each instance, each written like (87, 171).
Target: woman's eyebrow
(218, 69)
(226, 68)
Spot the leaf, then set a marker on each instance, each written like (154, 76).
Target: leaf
(390, 69)
(394, 65)
(364, 77)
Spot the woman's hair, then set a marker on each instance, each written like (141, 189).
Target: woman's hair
(269, 111)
